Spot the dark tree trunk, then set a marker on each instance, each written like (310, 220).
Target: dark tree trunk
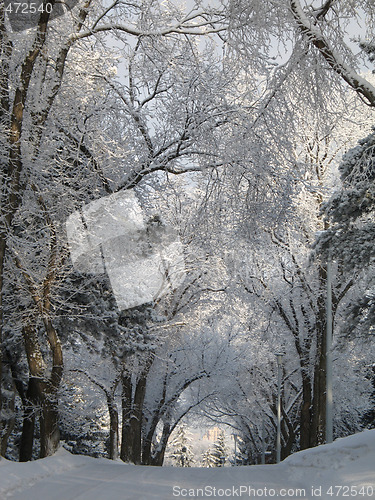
(132, 415)
(319, 403)
(113, 429)
(49, 423)
(47, 389)
(319, 393)
(126, 401)
(289, 435)
(27, 437)
(49, 426)
(131, 446)
(30, 404)
(158, 458)
(305, 415)
(147, 444)
(6, 50)
(136, 420)
(9, 419)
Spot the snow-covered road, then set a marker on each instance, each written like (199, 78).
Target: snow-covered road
(345, 469)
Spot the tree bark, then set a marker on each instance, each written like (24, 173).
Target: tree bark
(47, 388)
(49, 428)
(113, 428)
(8, 419)
(132, 415)
(12, 188)
(137, 418)
(5, 52)
(126, 401)
(49, 425)
(30, 403)
(158, 458)
(305, 414)
(318, 421)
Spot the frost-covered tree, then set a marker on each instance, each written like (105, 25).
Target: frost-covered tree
(180, 453)
(219, 450)
(280, 279)
(350, 234)
(42, 137)
(208, 459)
(74, 131)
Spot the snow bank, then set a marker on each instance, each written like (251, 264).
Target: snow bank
(343, 469)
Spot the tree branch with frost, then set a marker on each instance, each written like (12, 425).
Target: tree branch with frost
(187, 26)
(322, 11)
(58, 66)
(108, 392)
(311, 31)
(135, 114)
(42, 298)
(84, 149)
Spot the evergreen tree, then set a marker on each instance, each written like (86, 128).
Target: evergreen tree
(350, 210)
(208, 459)
(181, 453)
(220, 452)
(350, 237)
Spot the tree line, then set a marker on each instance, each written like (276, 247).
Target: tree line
(232, 139)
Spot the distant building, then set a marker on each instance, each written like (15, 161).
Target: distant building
(212, 434)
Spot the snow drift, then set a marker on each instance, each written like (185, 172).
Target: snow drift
(345, 468)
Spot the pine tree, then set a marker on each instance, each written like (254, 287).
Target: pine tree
(181, 453)
(220, 453)
(208, 459)
(350, 238)
(351, 209)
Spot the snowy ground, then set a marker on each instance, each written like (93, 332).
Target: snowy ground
(341, 470)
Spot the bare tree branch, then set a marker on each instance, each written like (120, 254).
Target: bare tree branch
(363, 88)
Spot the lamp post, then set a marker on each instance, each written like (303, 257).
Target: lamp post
(329, 396)
(263, 443)
(279, 357)
(235, 436)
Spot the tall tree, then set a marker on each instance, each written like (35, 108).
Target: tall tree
(30, 114)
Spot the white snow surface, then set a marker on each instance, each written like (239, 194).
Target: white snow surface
(345, 468)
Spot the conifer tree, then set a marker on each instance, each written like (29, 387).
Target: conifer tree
(208, 459)
(220, 452)
(181, 454)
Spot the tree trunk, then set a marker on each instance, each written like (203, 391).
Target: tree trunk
(113, 428)
(6, 50)
(147, 444)
(318, 419)
(131, 446)
(132, 415)
(137, 418)
(305, 414)
(288, 433)
(319, 403)
(49, 426)
(8, 419)
(30, 404)
(126, 401)
(12, 186)
(158, 458)
(47, 388)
